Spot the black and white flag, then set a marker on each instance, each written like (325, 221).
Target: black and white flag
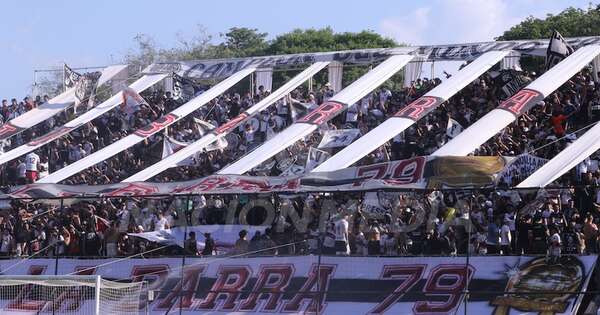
(509, 82)
(314, 158)
(85, 87)
(85, 90)
(71, 77)
(338, 138)
(453, 128)
(558, 49)
(184, 89)
(298, 109)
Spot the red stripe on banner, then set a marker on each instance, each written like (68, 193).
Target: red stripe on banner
(419, 107)
(156, 126)
(521, 102)
(231, 124)
(323, 113)
(7, 130)
(54, 134)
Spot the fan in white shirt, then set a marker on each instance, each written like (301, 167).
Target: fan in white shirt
(341, 236)
(32, 161)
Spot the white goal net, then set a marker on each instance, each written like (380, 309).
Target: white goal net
(68, 295)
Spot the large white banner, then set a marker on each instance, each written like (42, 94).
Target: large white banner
(148, 130)
(411, 113)
(52, 107)
(229, 126)
(140, 85)
(328, 110)
(499, 285)
(421, 172)
(509, 110)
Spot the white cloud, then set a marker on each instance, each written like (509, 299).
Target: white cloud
(457, 21)
(409, 28)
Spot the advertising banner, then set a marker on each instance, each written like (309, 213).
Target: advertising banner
(331, 285)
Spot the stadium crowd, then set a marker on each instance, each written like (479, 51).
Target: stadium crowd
(503, 221)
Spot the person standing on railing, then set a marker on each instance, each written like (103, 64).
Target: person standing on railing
(209, 245)
(341, 236)
(111, 238)
(242, 244)
(493, 237)
(7, 243)
(554, 251)
(590, 232)
(191, 244)
(539, 235)
(505, 238)
(92, 242)
(32, 161)
(373, 238)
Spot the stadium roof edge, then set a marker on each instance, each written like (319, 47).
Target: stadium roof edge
(218, 68)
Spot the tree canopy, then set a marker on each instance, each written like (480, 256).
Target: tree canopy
(243, 42)
(571, 22)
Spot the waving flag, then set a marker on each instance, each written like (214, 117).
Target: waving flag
(132, 101)
(338, 138)
(171, 146)
(184, 89)
(71, 77)
(314, 158)
(85, 89)
(453, 128)
(558, 49)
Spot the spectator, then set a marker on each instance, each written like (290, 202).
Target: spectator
(7, 243)
(111, 239)
(505, 238)
(493, 237)
(373, 238)
(242, 244)
(342, 246)
(191, 245)
(554, 250)
(32, 167)
(209, 245)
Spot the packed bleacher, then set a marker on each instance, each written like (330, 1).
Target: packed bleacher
(504, 221)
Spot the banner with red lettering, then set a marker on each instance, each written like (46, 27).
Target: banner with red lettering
(422, 172)
(333, 285)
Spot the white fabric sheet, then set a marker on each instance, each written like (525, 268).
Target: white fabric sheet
(54, 105)
(301, 128)
(264, 77)
(496, 120)
(209, 138)
(395, 125)
(140, 85)
(143, 133)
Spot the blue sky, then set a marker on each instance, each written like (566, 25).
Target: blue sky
(43, 34)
